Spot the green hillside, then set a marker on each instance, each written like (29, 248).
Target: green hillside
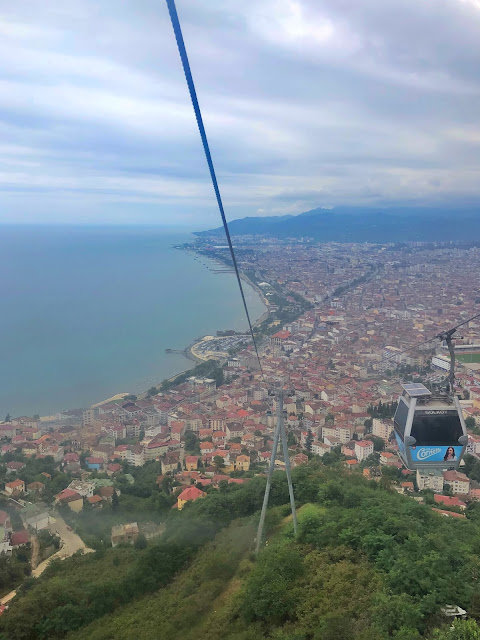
(367, 564)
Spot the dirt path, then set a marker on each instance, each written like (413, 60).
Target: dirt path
(70, 544)
(8, 597)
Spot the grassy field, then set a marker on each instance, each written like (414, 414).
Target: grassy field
(468, 357)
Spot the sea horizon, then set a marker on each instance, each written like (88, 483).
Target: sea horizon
(88, 311)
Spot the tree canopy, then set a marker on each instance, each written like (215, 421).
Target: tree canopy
(367, 564)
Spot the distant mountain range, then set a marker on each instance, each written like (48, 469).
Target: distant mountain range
(365, 224)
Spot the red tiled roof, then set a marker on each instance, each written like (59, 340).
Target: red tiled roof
(71, 457)
(451, 476)
(20, 537)
(76, 496)
(364, 443)
(218, 477)
(15, 484)
(66, 493)
(283, 335)
(449, 501)
(156, 445)
(192, 493)
(15, 465)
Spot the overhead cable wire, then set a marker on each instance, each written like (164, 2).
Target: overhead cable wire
(462, 323)
(411, 348)
(196, 107)
(432, 339)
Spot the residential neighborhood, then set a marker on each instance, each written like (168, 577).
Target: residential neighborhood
(325, 336)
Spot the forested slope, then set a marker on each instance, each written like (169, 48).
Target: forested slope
(367, 564)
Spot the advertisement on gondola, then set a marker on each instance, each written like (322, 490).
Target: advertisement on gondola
(433, 453)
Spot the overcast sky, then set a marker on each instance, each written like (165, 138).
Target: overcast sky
(307, 103)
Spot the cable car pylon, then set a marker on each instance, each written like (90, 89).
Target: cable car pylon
(280, 432)
(442, 336)
(447, 337)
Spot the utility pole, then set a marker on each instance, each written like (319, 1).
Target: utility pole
(280, 432)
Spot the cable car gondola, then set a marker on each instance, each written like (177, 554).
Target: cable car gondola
(429, 428)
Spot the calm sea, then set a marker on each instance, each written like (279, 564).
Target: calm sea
(87, 312)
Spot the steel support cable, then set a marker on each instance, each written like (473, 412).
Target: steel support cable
(462, 323)
(414, 346)
(196, 107)
(432, 339)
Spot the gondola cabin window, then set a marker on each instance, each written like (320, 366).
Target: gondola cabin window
(401, 415)
(436, 428)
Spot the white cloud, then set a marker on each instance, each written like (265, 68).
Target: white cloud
(473, 3)
(287, 22)
(305, 104)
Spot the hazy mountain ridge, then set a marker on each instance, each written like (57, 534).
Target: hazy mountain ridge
(365, 224)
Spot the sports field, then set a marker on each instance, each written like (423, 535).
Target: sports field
(468, 357)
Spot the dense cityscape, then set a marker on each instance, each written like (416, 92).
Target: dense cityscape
(337, 338)
(240, 286)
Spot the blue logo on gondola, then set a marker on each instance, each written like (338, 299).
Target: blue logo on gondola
(428, 452)
(436, 454)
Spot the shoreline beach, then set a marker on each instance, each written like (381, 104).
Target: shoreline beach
(90, 337)
(189, 351)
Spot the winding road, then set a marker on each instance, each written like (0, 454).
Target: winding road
(69, 545)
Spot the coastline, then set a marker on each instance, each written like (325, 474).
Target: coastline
(243, 276)
(117, 396)
(189, 351)
(101, 344)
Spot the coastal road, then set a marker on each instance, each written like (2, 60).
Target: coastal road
(69, 545)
